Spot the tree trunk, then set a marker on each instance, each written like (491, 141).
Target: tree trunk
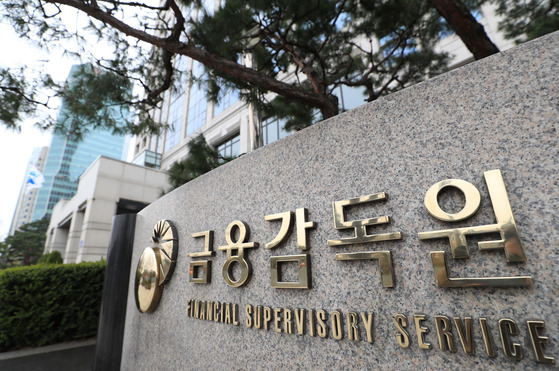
(466, 27)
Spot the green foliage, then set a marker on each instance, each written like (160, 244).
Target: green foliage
(94, 99)
(53, 257)
(14, 105)
(325, 44)
(18, 97)
(27, 244)
(201, 159)
(46, 304)
(4, 251)
(302, 51)
(319, 44)
(526, 20)
(297, 116)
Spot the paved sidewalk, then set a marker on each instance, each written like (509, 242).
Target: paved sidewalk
(72, 356)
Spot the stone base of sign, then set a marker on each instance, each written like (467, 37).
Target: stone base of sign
(498, 113)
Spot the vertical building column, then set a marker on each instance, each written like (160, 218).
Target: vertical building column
(246, 133)
(58, 241)
(48, 242)
(86, 212)
(95, 232)
(74, 236)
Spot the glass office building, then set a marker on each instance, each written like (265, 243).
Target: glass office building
(68, 159)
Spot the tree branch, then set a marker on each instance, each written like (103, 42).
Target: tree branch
(21, 93)
(135, 4)
(327, 104)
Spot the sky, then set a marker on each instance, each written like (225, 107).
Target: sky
(16, 148)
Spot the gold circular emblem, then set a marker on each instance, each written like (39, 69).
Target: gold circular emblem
(156, 266)
(148, 290)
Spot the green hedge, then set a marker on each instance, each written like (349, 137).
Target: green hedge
(46, 304)
(54, 257)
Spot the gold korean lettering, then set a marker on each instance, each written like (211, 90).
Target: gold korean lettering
(506, 226)
(205, 265)
(302, 260)
(240, 245)
(361, 236)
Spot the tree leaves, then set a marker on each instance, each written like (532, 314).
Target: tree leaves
(202, 158)
(526, 20)
(19, 97)
(26, 245)
(300, 50)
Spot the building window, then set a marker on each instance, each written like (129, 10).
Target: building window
(198, 103)
(272, 130)
(227, 100)
(230, 148)
(175, 123)
(160, 144)
(176, 108)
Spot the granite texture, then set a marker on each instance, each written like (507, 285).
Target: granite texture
(498, 113)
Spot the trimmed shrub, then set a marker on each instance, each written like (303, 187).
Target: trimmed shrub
(53, 257)
(47, 304)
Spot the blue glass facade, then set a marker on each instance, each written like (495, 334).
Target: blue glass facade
(198, 103)
(68, 159)
(272, 130)
(228, 99)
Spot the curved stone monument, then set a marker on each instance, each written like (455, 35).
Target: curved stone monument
(420, 231)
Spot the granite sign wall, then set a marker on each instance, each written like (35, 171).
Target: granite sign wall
(417, 231)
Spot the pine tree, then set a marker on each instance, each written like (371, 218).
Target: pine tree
(526, 20)
(201, 158)
(26, 245)
(300, 51)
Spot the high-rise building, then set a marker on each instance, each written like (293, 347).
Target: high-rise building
(28, 193)
(68, 158)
